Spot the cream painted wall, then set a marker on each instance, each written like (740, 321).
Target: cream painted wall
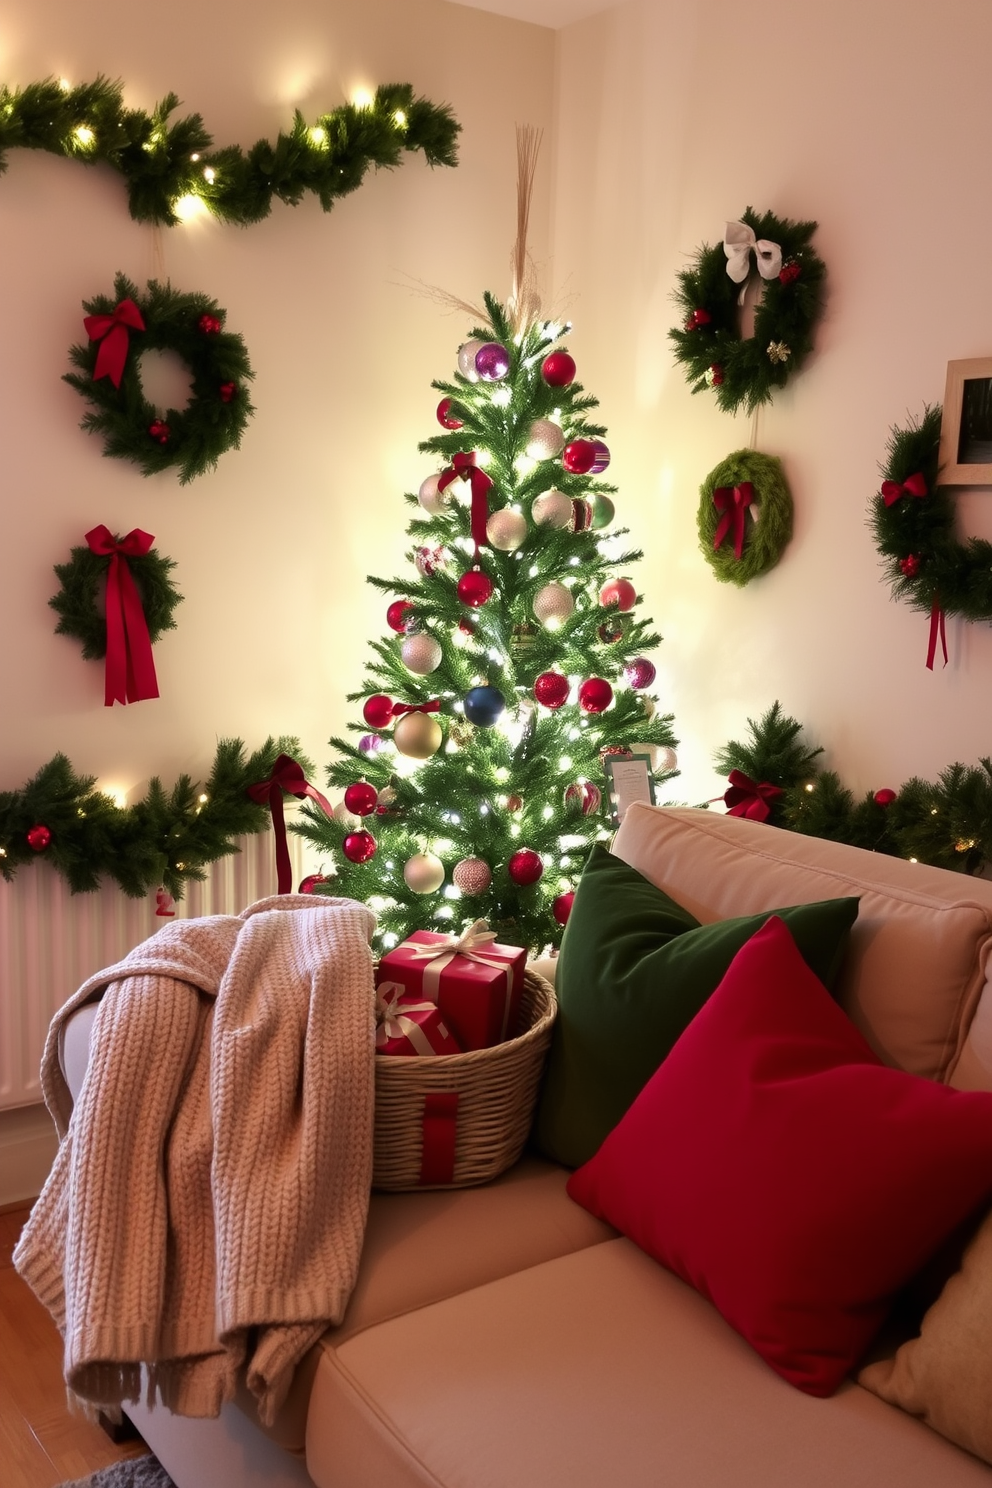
(273, 548)
(872, 117)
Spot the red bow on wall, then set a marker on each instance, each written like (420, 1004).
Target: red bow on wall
(892, 491)
(286, 776)
(733, 502)
(113, 334)
(130, 669)
(745, 797)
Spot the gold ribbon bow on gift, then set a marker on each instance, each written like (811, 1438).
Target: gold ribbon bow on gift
(393, 1024)
(738, 243)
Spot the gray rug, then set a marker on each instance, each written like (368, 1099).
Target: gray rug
(135, 1472)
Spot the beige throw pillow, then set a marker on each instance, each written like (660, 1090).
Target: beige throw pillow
(945, 1375)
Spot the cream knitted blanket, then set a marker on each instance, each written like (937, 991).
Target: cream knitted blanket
(207, 1206)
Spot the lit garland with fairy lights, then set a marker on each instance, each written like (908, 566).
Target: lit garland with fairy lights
(172, 171)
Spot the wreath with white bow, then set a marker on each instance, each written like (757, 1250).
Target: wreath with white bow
(745, 371)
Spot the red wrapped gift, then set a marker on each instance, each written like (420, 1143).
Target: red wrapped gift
(408, 1025)
(476, 984)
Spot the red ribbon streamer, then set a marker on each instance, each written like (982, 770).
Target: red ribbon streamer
(464, 465)
(129, 675)
(437, 1163)
(286, 776)
(937, 631)
(733, 502)
(432, 707)
(892, 491)
(112, 332)
(745, 797)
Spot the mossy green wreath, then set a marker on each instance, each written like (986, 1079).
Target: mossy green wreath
(764, 516)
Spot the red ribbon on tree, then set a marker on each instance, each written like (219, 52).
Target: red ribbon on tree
(113, 334)
(432, 707)
(745, 797)
(464, 465)
(129, 675)
(937, 632)
(286, 776)
(733, 502)
(892, 491)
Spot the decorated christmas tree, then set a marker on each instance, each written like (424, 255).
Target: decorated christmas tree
(514, 664)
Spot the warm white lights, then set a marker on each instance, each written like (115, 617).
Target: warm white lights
(362, 98)
(318, 137)
(209, 174)
(399, 119)
(188, 208)
(116, 794)
(84, 136)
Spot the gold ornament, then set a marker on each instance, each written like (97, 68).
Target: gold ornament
(461, 732)
(965, 846)
(778, 351)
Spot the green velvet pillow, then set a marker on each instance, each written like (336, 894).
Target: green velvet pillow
(634, 970)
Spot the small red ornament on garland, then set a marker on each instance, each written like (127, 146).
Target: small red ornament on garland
(309, 884)
(361, 798)
(697, 318)
(160, 431)
(551, 689)
(446, 416)
(38, 838)
(910, 565)
(475, 588)
(884, 797)
(378, 710)
(209, 325)
(228, 390)
(789, 272)
(561, 907)
(525, 867)
(558, 369)
(359, 847)
(713, 376)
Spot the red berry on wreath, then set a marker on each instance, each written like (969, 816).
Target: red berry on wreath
(698, 318)
(209, 325)
(561, 907)
(361, 798)
(578, 457)
(378, 710)
(39, 838)
(525, 867)
(228, 391)
(551, 689)
(713, 376)
(445, 417)
(399, 614)
(358, 847)
(475, 588)
(558, 369)
(910, 566)
(595, 695)
(160, 431)
(789, 272)
(884, 797)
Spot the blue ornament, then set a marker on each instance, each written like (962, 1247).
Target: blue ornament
(483, 705)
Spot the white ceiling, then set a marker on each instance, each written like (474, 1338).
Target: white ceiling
(553, 13)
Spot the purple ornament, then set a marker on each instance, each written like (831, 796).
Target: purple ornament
(640, 673)
(492, 361)
(369, 743)
(602, 458)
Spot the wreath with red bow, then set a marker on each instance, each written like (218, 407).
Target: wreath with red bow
(912, 516)
(745, 516)
(123, 326)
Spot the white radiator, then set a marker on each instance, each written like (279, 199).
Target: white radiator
(51, 941)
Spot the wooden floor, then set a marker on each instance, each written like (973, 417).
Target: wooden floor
(41, 1443)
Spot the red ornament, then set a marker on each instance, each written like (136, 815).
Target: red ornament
(579, 456)
(38, 838)
(558, 369)
(311, 881)
(884, 797)
(551, 689)
(160, 431)
(698, 318)
(361, 798)
(525, 867)
(165, 905)
(228, 391)
(612, 750)
(358, 847)
(445, 417)
(619, 594)
(910, 566)
(561, 907)
(714, 375)
(466, 625)
(788, 272)
(474, 588)
(583, 796)
(595, 695)
(398, 614)
(378, 710)
(209, 325)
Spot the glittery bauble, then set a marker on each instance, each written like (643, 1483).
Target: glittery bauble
(665, 760)
(431, 499)
(361, 798)
(558, 369)
(309, 884)
(583, 796)
(418, 735)
(884, 797)
(346, 818)
(421, 653)
(614, 751)
(514, 803)
(525, 866)
(595, 695)
(492, 361)
(640, 673)
(467, 354)
(358, 847)
(461, 732)
(506, 530)
(446, 415)
(378, 710)
(370, 743)
(553, 603)
(603, 511)
(427, 561)
(424, 873)
(610, 631)
(483, 705)
(474, 588)
(561, 907)
(581, 515)
(552, 509)
(551, 689)
(399, 615)
(472, 876)
(545, 440)
(38, 838)
(601, 457)
(578, 456)
(618, 594)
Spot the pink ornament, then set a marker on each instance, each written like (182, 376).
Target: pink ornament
(308, 884)
(399, 614)
(472, 876)
(640, 673)
(885, 797)
(165, 905)
(360, 798)
(618, 594)
(378, 710)
(445, 417)
(525, 867)
(474, 588)
(39, 838)
(558, 369)
(369, 743)
(427, 561)
(561, 907)
(601, 457)
(551, 689)
(492, 361)
(579, 456)
(358, 847)
(595, 695)
(584, 796)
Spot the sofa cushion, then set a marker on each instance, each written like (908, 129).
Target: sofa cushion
(945, 1375)
(776, 1165)
(635, 967)
(593, 1370)
(918, 953)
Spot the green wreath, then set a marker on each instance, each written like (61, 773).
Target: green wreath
(737, 541)
(162, 319)
(78, 603)
(746, 371)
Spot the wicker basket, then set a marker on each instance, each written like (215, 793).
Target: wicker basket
(497, 1090)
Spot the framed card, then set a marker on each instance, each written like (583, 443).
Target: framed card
(966, 424)
(630, 779)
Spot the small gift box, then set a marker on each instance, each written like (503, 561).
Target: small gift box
(406, 1024)
(476, 984)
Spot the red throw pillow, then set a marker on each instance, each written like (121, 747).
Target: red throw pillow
(778, 1167)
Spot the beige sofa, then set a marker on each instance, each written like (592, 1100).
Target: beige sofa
(502, 1337)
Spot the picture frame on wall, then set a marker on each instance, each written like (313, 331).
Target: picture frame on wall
(966, 424)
